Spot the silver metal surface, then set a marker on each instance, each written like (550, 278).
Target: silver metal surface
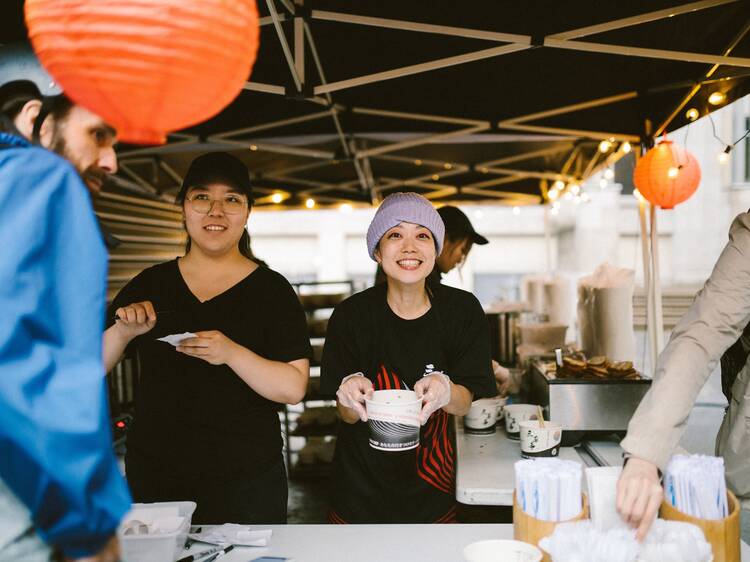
(587, 405)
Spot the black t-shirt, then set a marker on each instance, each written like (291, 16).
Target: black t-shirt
(415, 486)
(193, 418)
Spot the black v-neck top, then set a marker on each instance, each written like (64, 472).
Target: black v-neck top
(193, 418)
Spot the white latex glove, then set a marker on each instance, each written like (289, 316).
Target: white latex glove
(435, 390)
(352, 393)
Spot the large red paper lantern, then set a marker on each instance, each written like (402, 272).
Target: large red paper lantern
(667, 175)
(147, 67)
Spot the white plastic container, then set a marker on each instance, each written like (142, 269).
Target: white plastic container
(162, 547)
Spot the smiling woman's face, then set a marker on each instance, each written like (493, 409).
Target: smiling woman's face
(218, 230)
(407, 253)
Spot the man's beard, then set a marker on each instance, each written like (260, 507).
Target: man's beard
(93, 177)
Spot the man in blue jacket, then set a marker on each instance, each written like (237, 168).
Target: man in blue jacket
(61, 494)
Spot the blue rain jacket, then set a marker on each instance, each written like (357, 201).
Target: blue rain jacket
(55, 438)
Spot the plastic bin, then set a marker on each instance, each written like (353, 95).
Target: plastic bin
(163, 547)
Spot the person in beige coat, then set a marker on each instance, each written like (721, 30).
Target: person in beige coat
(714, 323)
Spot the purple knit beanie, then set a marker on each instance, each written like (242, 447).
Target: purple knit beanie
(404, 207)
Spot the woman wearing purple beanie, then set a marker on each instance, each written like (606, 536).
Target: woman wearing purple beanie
(403, 334)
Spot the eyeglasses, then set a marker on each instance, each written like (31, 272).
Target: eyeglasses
(231, 204)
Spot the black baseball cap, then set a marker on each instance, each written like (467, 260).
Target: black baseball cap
(217, 167)
(458, 226)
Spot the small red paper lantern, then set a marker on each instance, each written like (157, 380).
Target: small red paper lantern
(147, 67)
(667, 175)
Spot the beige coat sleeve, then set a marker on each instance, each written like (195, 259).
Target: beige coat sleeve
(715, 321)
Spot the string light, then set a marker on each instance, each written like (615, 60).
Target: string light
(558, 185)
(417, 162)
(609, 173)
(448, 166)
(277, 198)
(516, 211)
(692, 114)
(717, 98)
(435, 177)
(253, 147)
(605, 146)
(310, 203)
(626, 147)
(672, 172)
(575, 189)
(723, 157)
(553, 194)
(603, 183)
(345, 208)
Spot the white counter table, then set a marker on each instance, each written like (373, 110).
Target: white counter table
(484, 468)
(373, 543)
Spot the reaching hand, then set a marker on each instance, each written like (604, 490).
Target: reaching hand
(212, 346)
(435, 390)
(639, 494)
(502, 378)
(352, 393)
(135, 319)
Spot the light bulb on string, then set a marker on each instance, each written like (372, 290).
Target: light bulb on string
(609, 173)
(575, 189)
(692, 114)
(603, 183)
(345, 208)
(277, 198)
(626, 147)
(723, 157)
(558, 185)
(516, 211)
(672, 172)
(717, 98)
(605, 146)
(310, 203)
(553, 194)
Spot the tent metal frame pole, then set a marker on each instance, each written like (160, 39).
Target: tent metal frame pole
(656, 282)
(598, 135)
(639, 19)
(171, 172)
(403, 25)
(300, 168)
(570, 108)
(419, 68)
(530, 174)
(284, 44)
(494, 181)
(419, 141)
(416, 116)
(694, 90)
(278, 148)
(424, 161)
(265, 88)
(664, 54)
(272, 125)
(521, 157)
(364, 179)
(165, 148)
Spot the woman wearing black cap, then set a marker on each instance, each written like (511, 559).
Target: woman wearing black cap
(206, 426)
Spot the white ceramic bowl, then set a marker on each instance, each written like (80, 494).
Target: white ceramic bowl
(501, 551)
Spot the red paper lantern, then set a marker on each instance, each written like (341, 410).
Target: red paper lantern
(667, 175)
(147, 67)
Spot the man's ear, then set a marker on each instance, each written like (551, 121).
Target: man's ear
(24, 121)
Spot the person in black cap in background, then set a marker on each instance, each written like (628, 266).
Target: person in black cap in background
(206, 426)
